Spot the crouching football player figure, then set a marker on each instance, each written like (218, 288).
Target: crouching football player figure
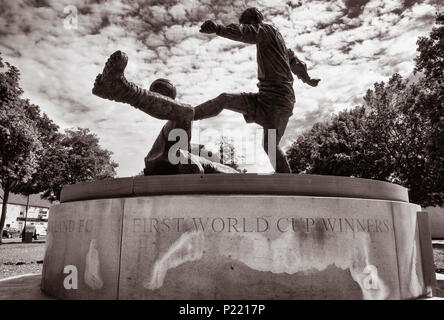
(157, 162)
(159, 103)
(272, 106)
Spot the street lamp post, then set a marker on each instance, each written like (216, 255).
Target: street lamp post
(26, 216)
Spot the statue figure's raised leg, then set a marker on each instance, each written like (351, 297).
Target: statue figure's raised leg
(211, 108)
(111, 84)
(250, 111)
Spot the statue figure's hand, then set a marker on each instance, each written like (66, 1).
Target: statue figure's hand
(313, 82)
(208, 27)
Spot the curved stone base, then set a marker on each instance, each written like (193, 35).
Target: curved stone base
(234, 247)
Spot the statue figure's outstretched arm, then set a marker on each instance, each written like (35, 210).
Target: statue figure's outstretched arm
(299, 68)
(247, 33)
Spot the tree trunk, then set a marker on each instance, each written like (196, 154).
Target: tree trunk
(4, 208)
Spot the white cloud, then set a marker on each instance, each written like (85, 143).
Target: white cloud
(58, 66)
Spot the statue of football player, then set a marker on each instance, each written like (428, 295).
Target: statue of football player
(271, 107)
(157, 162)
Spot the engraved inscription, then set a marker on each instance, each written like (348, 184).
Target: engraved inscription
(71, 225)
(261, 224)
(237, 225)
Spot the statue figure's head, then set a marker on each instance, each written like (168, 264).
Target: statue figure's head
(164, 87)
(251, 16)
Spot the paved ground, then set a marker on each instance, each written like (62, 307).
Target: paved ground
(21, 268)
(438, 255)
(23, 287)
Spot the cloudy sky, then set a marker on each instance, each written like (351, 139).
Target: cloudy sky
(349, 44)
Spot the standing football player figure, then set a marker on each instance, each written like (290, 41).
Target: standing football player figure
(273, 105)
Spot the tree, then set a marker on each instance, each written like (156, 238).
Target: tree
(34, 156)
(430, 61)
(396, 136)
(401, 131)
(50, 139)
(87, 160)
(330, 147)
(431, 53)
(68, 158)
(227, 152)
(19, 140)
(76, 158)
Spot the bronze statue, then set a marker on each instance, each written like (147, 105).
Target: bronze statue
(271, 107)
(158, 102)
(157, 162)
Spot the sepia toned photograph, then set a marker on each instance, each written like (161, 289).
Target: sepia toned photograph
(224, 156)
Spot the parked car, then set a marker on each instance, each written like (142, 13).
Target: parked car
(40, 231)
(10, 233)
(6, 234)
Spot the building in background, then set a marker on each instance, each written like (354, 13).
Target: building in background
(37, 208)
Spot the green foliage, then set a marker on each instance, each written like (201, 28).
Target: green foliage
(396, 136)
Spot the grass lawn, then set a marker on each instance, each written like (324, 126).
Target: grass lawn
(21, 258)
(438, 256)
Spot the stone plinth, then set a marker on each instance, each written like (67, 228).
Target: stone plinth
(270, 237)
